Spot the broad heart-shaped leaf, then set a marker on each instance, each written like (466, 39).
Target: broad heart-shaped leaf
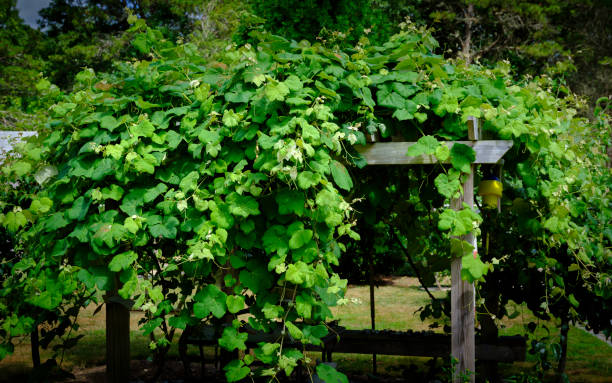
(143, 129)
(341, 175)
(275, 240)
(166, 229)
(300, 238)
(209, 300)
(132, 201)
(50, 298)
(328, 374)
(232, 339)
(290, 201)
(472, 268)
(256, 278)
(190, 181)
(234, 303)
(79, 209)
(426, 145)
(153, 193)
(402, 115)
(458, 222)
(462, 157)
(108, 233)
(242, 205)
(109, 122)
(276, 91)
(220, 215)
(390, 100)
(56, 221)
(122, 261)
(236, 370)
(14, 220)
(102, 168)
(308, 179)
(448, 186)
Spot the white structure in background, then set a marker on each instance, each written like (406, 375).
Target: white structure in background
(10, 138)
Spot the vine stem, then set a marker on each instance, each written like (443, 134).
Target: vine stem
(416, 270)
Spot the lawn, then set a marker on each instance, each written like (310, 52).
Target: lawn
(589, 358)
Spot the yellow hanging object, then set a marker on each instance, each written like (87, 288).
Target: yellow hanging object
(491, 191)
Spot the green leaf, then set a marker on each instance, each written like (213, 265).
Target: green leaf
(114, 192)
(108, 233)
(308, 179)
(234, 303)
(55, 222)
(442, 153)
(462, 157)
(232, 339)
(230, 118)
(290, 201)
(293, 83)
(220, 215)
(166, 229)
(209, 300)
(426, 145)
(102, 168)
(50, 298)
(21, 168)
(152, 193)
(341, 176)
(236, 370)
(274, 240)
(145, 164)
(300, 238)
(109, 123)
(328, 374)
(79, 209)
(272, 311)
(14, 220)
(402, 115)
(447, 186)
(132, 201)
(242, 205)
(190, 181)
(472, 268)
(294, 331)
(276, 91)
(41, 205)
(390, 100)
(143, 129)
(122, 261)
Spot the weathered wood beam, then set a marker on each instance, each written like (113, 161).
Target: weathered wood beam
(394, 153)
(463, 310)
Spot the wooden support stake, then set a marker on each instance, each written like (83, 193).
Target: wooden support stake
(117, 341)
(463, 348)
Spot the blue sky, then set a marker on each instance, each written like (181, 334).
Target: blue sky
(28, 10)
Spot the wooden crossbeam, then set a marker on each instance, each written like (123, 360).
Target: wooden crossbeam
(394, 153)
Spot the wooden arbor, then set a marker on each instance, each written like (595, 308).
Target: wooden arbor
(462, 292)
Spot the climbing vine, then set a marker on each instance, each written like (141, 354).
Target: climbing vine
(206, 190)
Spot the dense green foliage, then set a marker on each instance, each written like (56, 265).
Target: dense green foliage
(215, 187)
(202, 190)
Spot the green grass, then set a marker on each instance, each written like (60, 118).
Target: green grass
(589, 358)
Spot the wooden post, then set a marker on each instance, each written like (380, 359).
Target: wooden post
(463, 348)
(117, 341)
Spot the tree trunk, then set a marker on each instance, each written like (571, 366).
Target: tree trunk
(35, 347)
(563, 358)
